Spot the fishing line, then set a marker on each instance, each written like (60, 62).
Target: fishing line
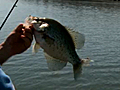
(8, 14)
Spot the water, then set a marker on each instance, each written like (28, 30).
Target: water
(99, 22)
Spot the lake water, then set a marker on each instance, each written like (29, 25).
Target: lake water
(99, 22)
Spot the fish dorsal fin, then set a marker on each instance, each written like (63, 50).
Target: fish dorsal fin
(53, 63)
(78, 38)
(35, 48)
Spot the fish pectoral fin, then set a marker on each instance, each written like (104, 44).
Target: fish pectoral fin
(78, 38)
(54, 64)
(35, 48)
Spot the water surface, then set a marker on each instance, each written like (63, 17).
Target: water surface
(99, 22)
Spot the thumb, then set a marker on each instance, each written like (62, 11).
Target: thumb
(19, 28)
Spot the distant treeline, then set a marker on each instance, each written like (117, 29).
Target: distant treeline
(77, 0)
(91, 0)
(102, 0)
(97, 0)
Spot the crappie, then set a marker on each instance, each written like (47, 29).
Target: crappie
(58, 43)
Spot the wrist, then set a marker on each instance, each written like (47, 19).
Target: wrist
(4, 53)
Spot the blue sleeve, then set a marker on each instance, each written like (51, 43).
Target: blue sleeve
(5, 81)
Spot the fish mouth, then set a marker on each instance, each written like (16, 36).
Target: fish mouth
(33, 19)
(38, 23)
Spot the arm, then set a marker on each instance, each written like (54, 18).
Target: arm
(18, 41)
(4, 53)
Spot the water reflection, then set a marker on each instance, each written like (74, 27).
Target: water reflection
(77, 3)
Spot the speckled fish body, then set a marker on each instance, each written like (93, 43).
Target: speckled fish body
(58, 43)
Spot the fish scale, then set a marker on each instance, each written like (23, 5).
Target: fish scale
(62, 37)
(64, 48)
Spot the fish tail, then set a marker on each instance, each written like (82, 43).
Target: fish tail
(77, 69)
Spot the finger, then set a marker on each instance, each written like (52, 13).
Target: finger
(29, 36)
(19, 28)
(28, 33)
(31, 27)
(28, 30)
(27, 42)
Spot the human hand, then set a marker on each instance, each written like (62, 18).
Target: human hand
(19, 39)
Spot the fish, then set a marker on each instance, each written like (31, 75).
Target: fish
(58, 42)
